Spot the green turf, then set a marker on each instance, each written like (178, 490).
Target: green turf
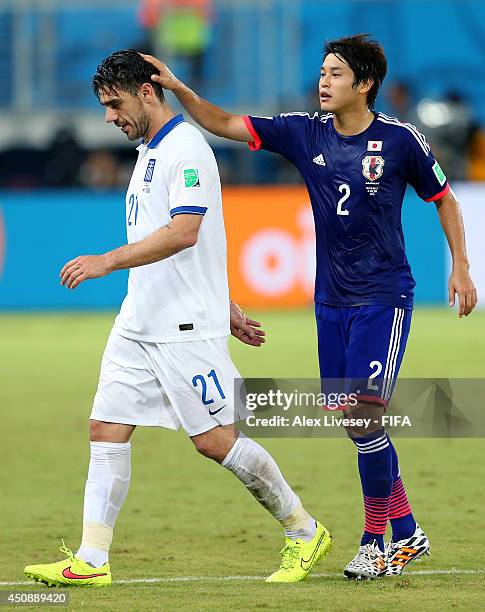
(185, 516)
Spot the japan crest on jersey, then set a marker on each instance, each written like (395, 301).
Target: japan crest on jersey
(373, 167)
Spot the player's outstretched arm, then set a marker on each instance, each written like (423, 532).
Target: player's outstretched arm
(209, 116)
(181, 233)
(245, 329)
(460, 282)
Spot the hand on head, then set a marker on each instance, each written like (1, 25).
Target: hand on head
(165, 78)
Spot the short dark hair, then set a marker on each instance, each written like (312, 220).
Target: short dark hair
(125, 70)
(365, 57)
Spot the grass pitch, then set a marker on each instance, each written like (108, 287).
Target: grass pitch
(187, 522)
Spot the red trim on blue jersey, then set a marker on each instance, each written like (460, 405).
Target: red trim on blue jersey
(439, 195)
(373, 399)
(328, 409)
(256, 144)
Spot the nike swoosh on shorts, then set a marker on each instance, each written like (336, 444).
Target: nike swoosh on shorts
(212, 413)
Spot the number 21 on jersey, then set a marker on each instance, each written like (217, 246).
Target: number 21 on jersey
(133, 209)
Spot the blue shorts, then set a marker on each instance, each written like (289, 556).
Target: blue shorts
(363, 345)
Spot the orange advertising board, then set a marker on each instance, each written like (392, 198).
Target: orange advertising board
(270, 245)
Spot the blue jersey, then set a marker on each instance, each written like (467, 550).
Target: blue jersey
(356, 186)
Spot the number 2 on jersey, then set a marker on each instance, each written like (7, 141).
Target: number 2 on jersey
(345, 189)
(133, 212)
(200, 378)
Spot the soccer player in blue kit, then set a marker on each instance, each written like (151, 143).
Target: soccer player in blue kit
(356, 164)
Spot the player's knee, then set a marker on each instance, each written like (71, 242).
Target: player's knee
(364, 431)
(216, 443)
(100, 431)
(207, 447)
(366, 420)
(96, 431)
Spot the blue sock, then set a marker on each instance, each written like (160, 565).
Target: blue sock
(400, 515)
(375, 469)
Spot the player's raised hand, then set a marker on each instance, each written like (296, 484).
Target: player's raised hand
(83, 268)
(461, 284)
(244, 329)
(166, 78)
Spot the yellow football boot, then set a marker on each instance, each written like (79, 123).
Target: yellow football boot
(298, 556)
(69, 572)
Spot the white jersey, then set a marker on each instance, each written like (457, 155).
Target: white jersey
(186, 296)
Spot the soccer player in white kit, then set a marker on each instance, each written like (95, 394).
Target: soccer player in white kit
(167, 361)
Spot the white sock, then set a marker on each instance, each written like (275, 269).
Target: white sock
(299, 525)
(106, 490)
(94, 556)
(257, 470)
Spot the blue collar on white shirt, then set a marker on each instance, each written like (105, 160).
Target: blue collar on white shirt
(166, 129)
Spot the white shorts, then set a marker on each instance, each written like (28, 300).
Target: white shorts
(188, 384)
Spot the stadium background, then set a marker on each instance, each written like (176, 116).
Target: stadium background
(62, 173)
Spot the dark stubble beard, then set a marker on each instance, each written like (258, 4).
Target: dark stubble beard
(140, 126)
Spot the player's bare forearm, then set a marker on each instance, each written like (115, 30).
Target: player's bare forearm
(170, 239)
(209, 116)
(452, 223)
(460, 281)
(163, 243)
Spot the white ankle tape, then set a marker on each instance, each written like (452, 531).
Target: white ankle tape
(96, 535)
(298, 519)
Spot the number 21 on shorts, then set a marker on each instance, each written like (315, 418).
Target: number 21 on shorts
(200, 378)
